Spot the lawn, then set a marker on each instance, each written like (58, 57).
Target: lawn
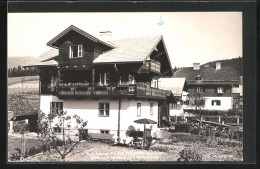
(167, 149)
(15, 142)
(14, 80)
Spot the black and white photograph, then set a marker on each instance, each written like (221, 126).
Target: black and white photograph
(125, 87)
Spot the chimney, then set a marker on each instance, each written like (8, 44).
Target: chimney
(218, 65)
(105, 35)
(196, 66)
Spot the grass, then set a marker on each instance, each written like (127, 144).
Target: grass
(16, 143)
(30, 89)
(14, 80)
(97, 151)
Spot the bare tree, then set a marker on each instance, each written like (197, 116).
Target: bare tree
(197, 103)
(51, 139)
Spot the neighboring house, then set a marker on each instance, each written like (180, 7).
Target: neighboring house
(214, 84)
(237, 92)
(107, 83)
(179, 89)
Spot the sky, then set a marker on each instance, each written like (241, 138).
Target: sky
(190, 37)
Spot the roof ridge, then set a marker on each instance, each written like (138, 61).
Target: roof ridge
(136, 37)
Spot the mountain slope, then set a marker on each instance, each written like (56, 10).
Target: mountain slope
(18, 61)
(236, 63)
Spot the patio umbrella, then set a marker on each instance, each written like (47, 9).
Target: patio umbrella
(145, 121)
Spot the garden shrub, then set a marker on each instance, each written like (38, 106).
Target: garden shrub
(188, 154)
(182, 127)
(160, 148)
(17, 155)
(148, 142)
(229, 143)
(187, 138)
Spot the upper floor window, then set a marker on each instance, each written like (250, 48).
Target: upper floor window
(199, 89)
(103, 109)
(76, 51)
(174, 106)
(220, 89)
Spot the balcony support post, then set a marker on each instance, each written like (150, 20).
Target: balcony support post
(93, 81)
(118, 126)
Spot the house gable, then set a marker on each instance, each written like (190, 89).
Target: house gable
(73, 38)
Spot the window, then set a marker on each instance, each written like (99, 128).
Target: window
(76, 51)
(199, 89)
(131, 89)
(138, 109)
(131, 79)
(215, 102)
(56, 106)
(103, 109)
(174, 106)
(151, 108)
(186, 102)
(220, 89)
(57, 129)
(104, 131)
(155, 84)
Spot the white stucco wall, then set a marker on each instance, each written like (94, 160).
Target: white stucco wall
(88, 109)
(176, 112)
(226, 103)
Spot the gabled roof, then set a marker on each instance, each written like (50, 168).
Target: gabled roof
(226, 73)
(129, 50)
(83, 33)
(176, 85)
(45, 59)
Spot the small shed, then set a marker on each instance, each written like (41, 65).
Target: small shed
(31, 119)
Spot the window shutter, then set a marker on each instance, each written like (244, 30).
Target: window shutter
(224, 89)
(203, 89)
(216, 90)
(212, 102)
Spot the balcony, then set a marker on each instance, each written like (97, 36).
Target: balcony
(128, 91)
(151, 66)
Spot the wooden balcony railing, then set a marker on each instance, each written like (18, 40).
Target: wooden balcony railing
(112, 91)
(151, 65)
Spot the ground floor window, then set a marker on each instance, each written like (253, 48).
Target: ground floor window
(57, 129)
(151, 108)
(104, 109)
(138, 109)
(215, 102)
(104, 131)
(56, 107)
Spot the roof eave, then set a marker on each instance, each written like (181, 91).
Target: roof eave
(123, 62)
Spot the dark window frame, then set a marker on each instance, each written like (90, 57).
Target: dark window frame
(104, 131)
(218, 102)
(104, 109)
(199, 90)
(78, 52)
(57, 106)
